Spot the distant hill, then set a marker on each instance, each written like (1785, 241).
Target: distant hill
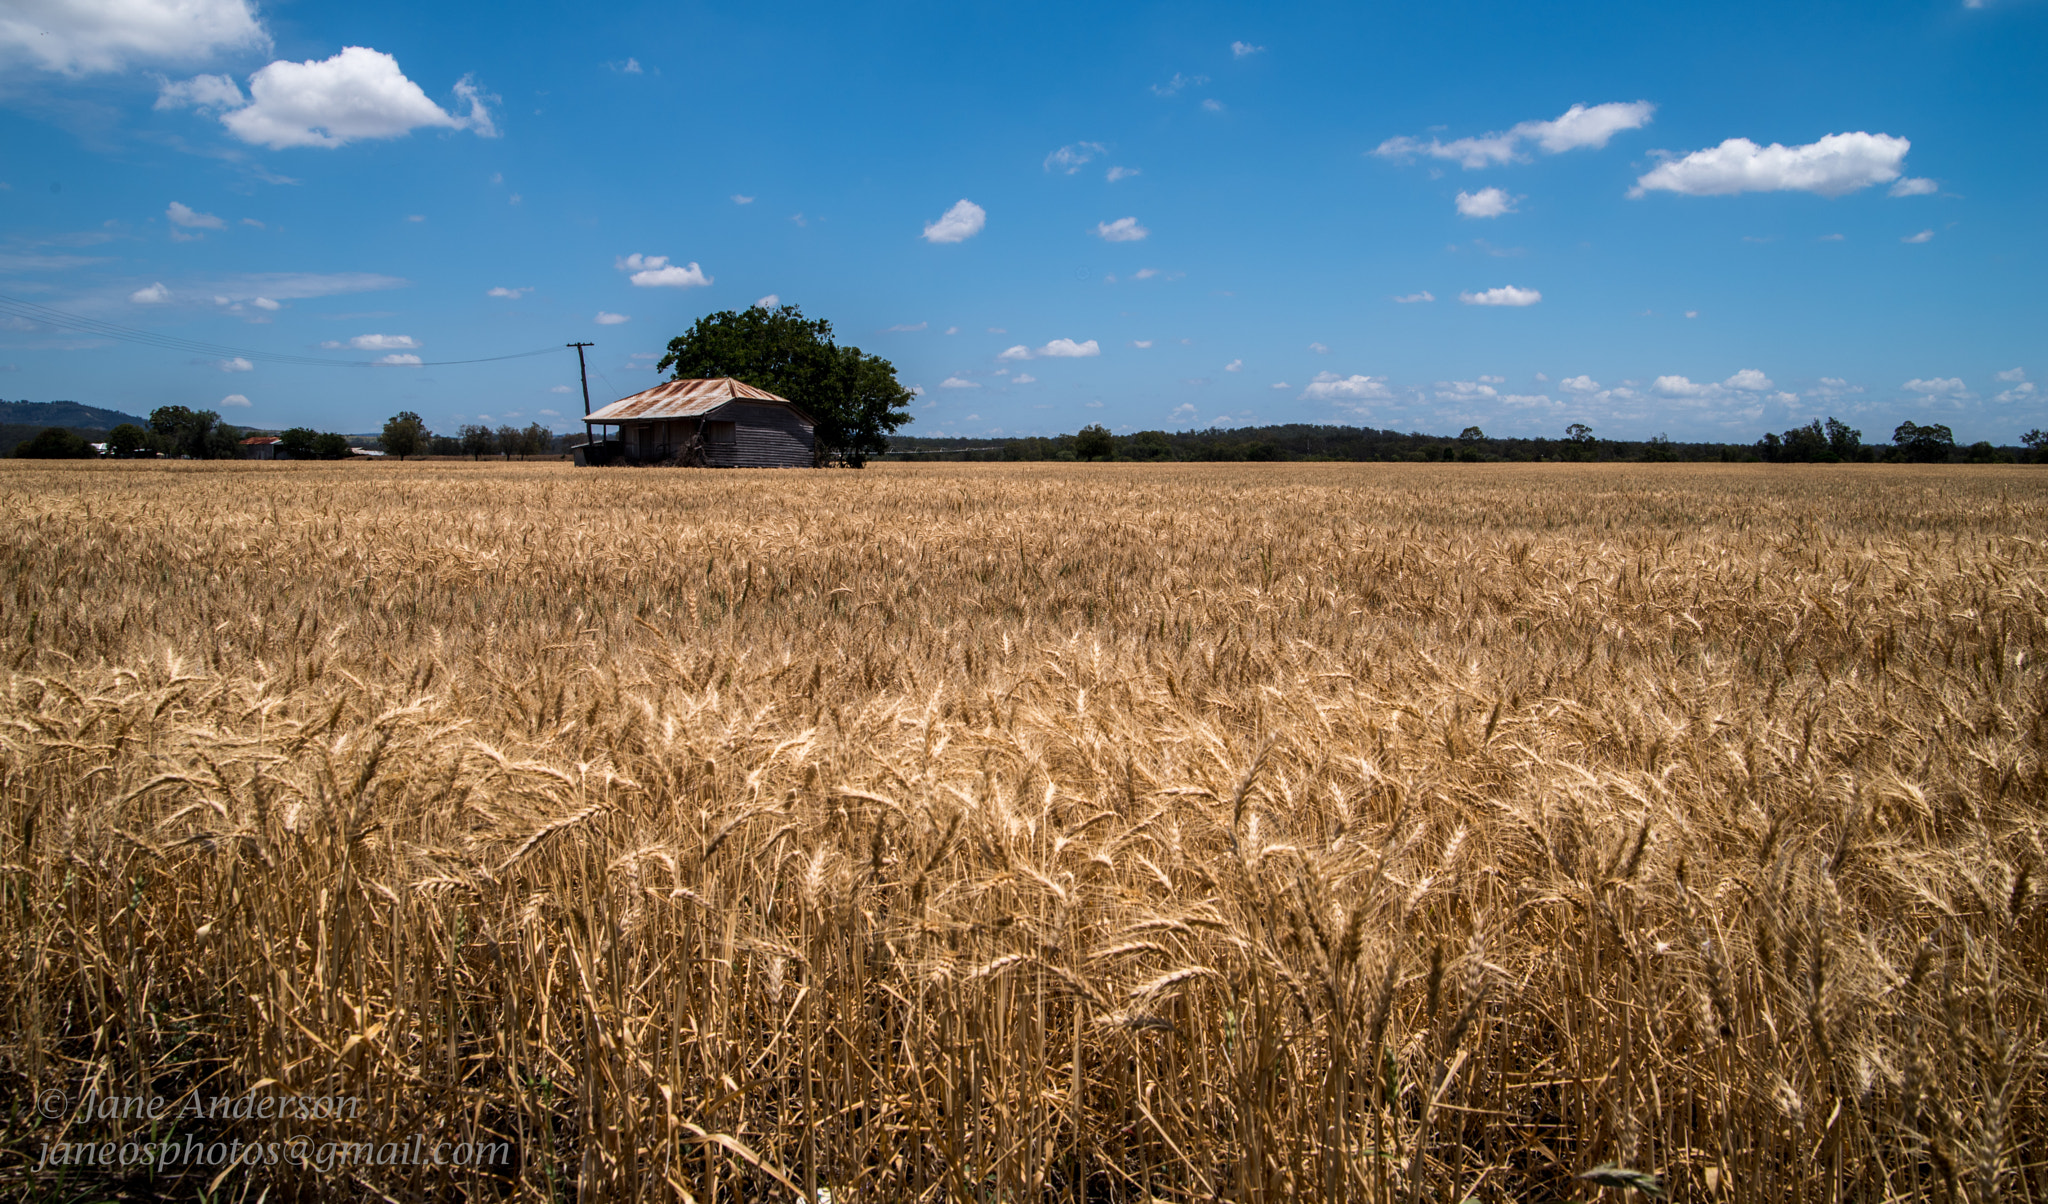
(40, 414)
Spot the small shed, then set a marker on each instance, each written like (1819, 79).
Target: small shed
(719, 423)
(262, 447)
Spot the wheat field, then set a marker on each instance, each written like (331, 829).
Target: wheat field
(1006, 833)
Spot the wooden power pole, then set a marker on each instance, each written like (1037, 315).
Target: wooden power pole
(583, 373)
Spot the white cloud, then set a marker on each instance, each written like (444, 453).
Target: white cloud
(1940, 386)
(958, 224)
(237, 364)
(1181, 412)
(954, 382)
(192, 219)
(1123, 229)
(1328, 386)
(952, 330)
(1465, 391)
(398, 361)
(359, 93)
(1242, 49)
(561, 389)
(235, 399)
(376, 342)
(2011, 374)
(1069, 349)
(1173, 86)
(155, 294)
(2023, 391)
(1579, 384)
(1279, 384)
(1025, 378)
(604, 318)
(655, 271)
(1505, 295)
(738, 199)
(1412, 298)
(1123, 173)
(1578, 126)
(1213, 105)
(1319, 348)
(207, 93)
(1141, 344)
(1692, 313)
(552, 413)
(1833, 386)
(1487, 202)
(768, 302)
(903, 328)
(1923, 236)
(1234, 366)
(1914, 186)
(1836, 164)
(256, 225)
(1070, 159)
(81, 37)
(265, 303)
(1748, 380)
(1019, 352)
(512, 294)
(630, 67)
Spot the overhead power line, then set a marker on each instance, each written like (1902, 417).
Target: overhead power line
(30, 311)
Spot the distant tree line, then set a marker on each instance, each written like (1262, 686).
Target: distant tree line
(1825, 442)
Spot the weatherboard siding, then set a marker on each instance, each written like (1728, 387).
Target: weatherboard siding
(765, 437)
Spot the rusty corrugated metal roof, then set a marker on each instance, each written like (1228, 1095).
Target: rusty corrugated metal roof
(681, 399)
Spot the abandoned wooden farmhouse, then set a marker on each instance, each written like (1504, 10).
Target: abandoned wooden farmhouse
(720, 423)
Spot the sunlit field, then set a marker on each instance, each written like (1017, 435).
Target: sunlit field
(1040, 832)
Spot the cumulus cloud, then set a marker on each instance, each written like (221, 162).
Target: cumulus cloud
(1019, 352)
(235, 399)
(1024, 378)
(1070, 159)
(155, 294)
(604, 318)
(1183, 412)
(1328, 386)
(2012, 374)
(1174, 86)
(1579, 384)
(1465, 391)
(1069, 349)
(1141, 344)
(358, 94)
(237, 364)
(207, 93)
(1836, 164)
(655, 271)
(1123, 229)
(1487, 202)
(1214, 106)
(1578, 126)
(958, 224)
(561, 389)
(1234, 366)
(192, 219)
(376, 342)
(512, 294)
(1747, 381)
(265, 303)
(1911, 186)
(903, 327)
(1923, 236)
(1243, 49)
(738, 199)
(954, 382)
(2023, 391)
(83, 37)
(1507, 294)
(1939, 386)
(1123, 173)
(768, 302)
(398, 361)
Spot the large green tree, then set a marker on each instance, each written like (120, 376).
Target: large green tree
(854, 397)
(199, 434)
(406, 434)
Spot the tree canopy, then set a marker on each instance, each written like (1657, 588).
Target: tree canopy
(199, 434)
(854, 397)
(406, 434)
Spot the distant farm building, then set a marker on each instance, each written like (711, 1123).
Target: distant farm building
(721, 423)
(262, 447)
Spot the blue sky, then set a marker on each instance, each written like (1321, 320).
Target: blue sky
(1706, 223)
